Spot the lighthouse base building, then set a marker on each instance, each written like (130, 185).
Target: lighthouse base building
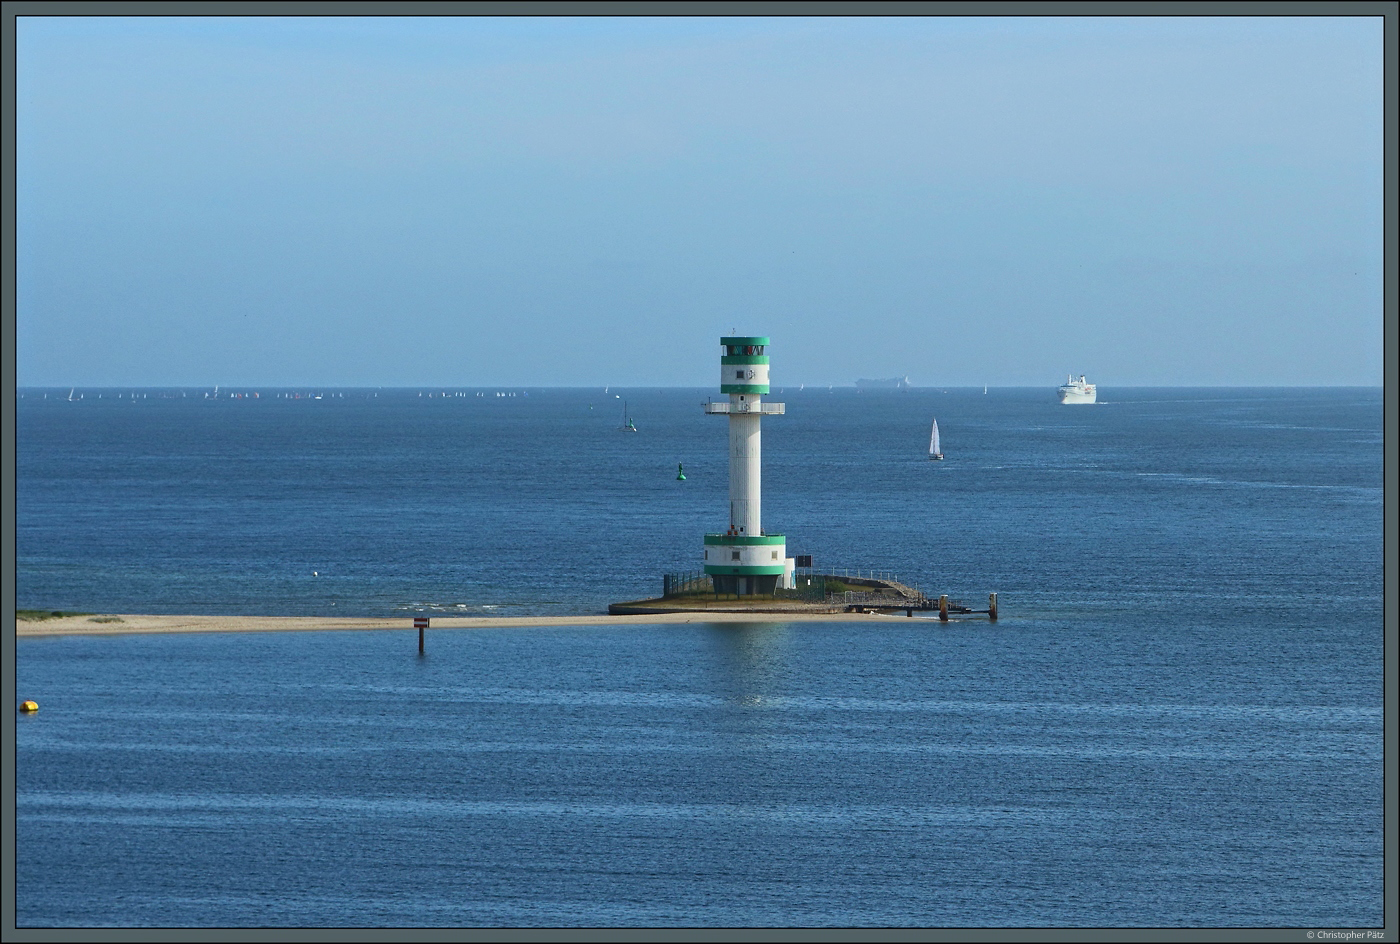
(745, 559)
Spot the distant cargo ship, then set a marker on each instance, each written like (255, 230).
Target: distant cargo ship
(1078, 391)
(893, 383)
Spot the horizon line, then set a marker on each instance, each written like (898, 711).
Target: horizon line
(644, 386)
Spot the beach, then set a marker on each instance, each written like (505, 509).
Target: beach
(130, 623)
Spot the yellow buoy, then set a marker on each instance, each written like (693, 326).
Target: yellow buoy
(29, 706)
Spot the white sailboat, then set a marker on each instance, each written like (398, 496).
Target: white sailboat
(935, 451)
(627, 425)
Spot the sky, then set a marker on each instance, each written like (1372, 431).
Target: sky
(555, 201)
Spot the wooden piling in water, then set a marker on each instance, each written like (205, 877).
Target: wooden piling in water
(420, 623)
(992, 607)
(943, 608)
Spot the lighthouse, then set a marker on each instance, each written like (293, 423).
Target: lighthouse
(745, 559)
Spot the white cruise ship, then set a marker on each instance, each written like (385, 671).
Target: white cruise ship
(1078, 391)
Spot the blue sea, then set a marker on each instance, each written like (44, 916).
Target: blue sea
(1177, 721)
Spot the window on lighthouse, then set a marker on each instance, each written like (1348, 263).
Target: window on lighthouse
(734, 555)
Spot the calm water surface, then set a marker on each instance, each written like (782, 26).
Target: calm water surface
(1176, 722)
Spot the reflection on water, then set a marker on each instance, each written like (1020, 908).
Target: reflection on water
(752, 660)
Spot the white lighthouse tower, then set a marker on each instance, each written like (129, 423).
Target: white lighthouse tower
(746, 559)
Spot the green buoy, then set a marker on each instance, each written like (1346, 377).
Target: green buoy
(680, 472)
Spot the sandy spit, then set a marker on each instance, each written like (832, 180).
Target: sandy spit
(138, 623)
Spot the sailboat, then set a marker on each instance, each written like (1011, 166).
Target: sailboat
(935, 451)
(627, 425)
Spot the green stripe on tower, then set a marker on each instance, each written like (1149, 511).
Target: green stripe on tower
(743, 388)
(744, 341)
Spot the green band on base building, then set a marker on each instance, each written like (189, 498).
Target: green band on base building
(715, 570)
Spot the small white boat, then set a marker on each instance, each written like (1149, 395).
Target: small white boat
(935, 451)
